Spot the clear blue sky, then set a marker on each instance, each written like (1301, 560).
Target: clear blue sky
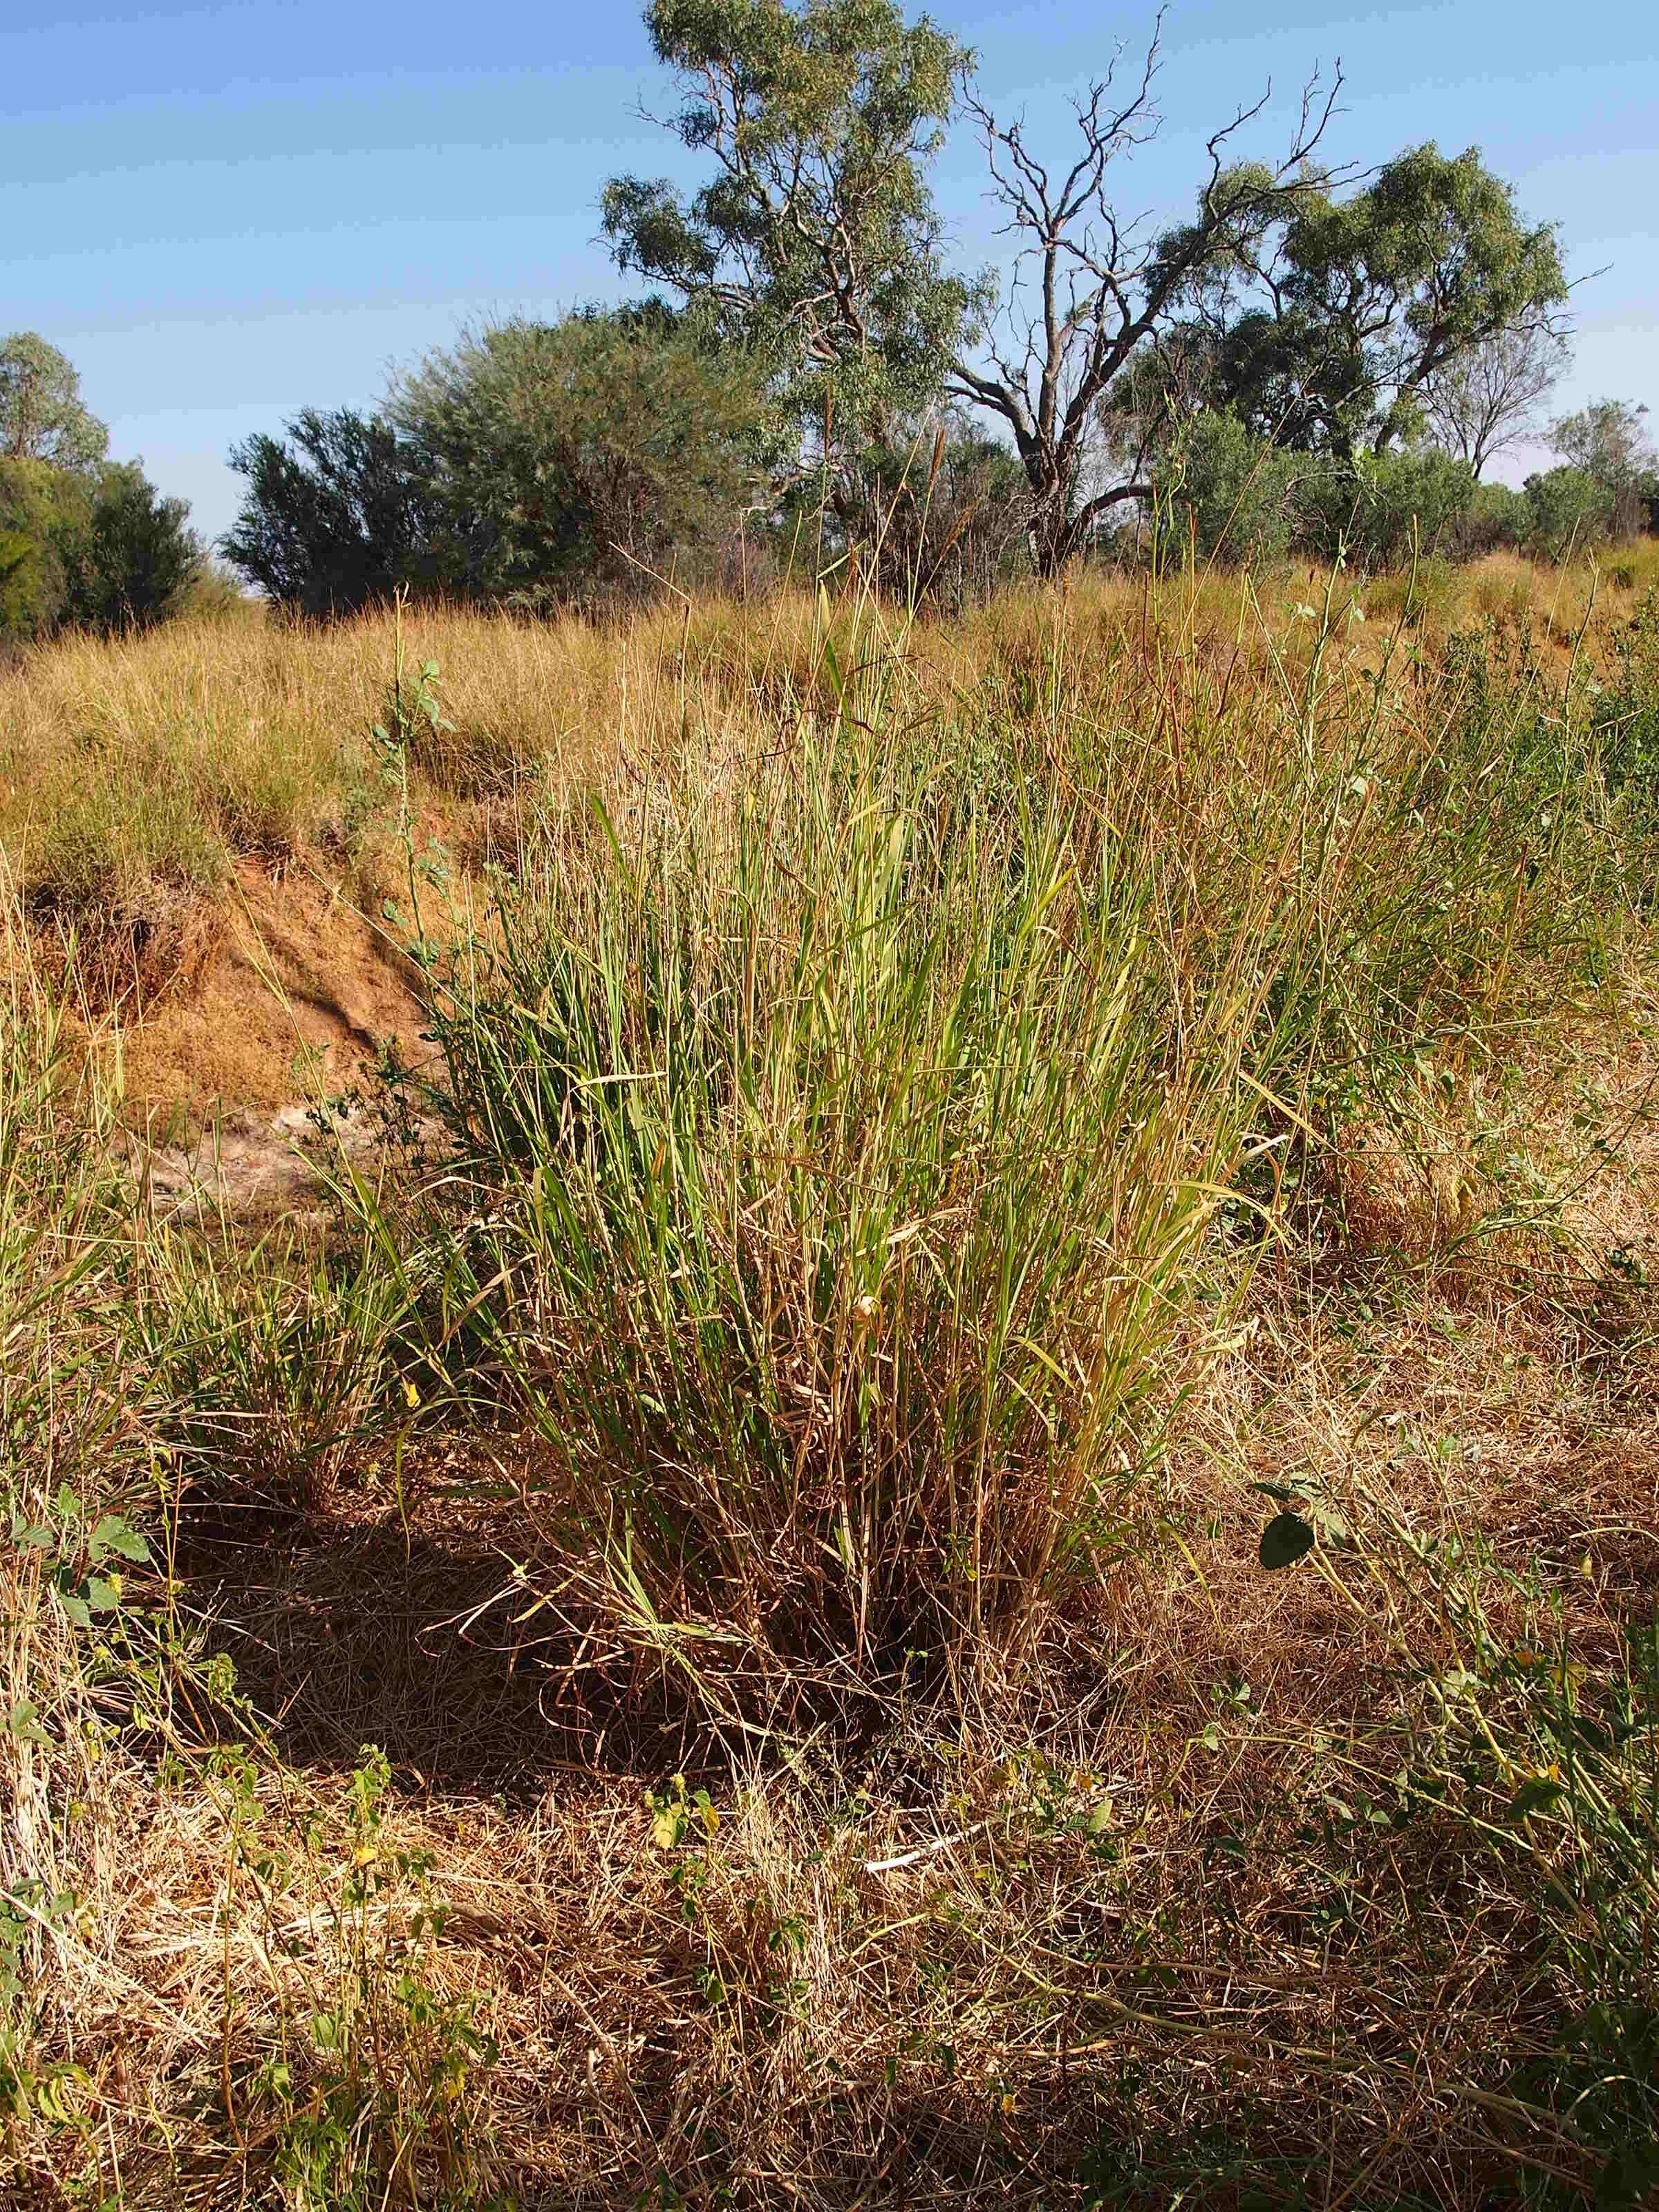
(224, 213)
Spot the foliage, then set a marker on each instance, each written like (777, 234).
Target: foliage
(338, 513)
(84, 542)
(1570, 509)
(597, 451)
(1234, 495)
(938, 510)
(815, 247)
(1368, 298)
(136, 559)
(1380, 509)
(98, 549)
(1228, 494)
(41, 415)
(533, 462)
(45, 513)
(1609, 441)
(1090, 290)
(1498, 516)
(604, 449)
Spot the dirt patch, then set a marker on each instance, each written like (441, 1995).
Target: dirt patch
(300, 996)
(255, 1168)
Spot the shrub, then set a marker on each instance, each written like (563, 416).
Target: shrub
(337, 515)
(135, 561)
(1383, 509)
(588, 454)
(1571, 509)
(1229, 493)
(938, 512)
(1499, 518)
(98, 549)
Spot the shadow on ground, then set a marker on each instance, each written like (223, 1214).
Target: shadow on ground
(356, 1625)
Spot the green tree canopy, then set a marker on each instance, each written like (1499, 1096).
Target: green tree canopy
(1329, 338)
(1092, 288)
(1226, 494)
(43, 511)
(41, 415)
(1570, 509)
(815, 243)
(99, 550)
(83, 541)
(596, 450)
(1608, 442)
(1381, 509)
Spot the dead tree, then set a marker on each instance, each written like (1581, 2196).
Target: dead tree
(1090, 287)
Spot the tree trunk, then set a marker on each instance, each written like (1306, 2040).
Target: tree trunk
(1051, 534)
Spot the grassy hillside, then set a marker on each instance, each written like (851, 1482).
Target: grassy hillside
(687, 1615)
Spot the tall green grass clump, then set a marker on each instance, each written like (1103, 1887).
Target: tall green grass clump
(1455, 870)
(840, 1122)
(840, 1126)
(836, 1149)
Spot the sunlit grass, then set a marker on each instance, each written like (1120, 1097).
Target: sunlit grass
(922, 1118)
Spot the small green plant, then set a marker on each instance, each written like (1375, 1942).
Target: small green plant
(84, 1557)
(413, 714)
(372, 2090)
(678, 1812)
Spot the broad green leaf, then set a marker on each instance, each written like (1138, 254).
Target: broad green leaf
(1535, 1796)
(113, 1535)
(22, 1722)
(1284, 1540)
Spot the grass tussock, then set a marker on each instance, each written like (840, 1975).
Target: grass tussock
(705, 1639)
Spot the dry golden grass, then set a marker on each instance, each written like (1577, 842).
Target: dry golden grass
(1217, 1887)
(167, 758)
(939, 1971)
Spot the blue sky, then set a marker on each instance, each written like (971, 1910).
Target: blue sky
(224, 213)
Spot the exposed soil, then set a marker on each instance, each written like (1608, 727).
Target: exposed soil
(255, 1167)
(299, 995)
(293, 1002)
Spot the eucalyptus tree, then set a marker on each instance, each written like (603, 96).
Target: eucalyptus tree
(814, 246)
(1327, 313)
(42, 415)
(85, 542)
(1093, 287)
(1609, 441)
(1332, 332)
